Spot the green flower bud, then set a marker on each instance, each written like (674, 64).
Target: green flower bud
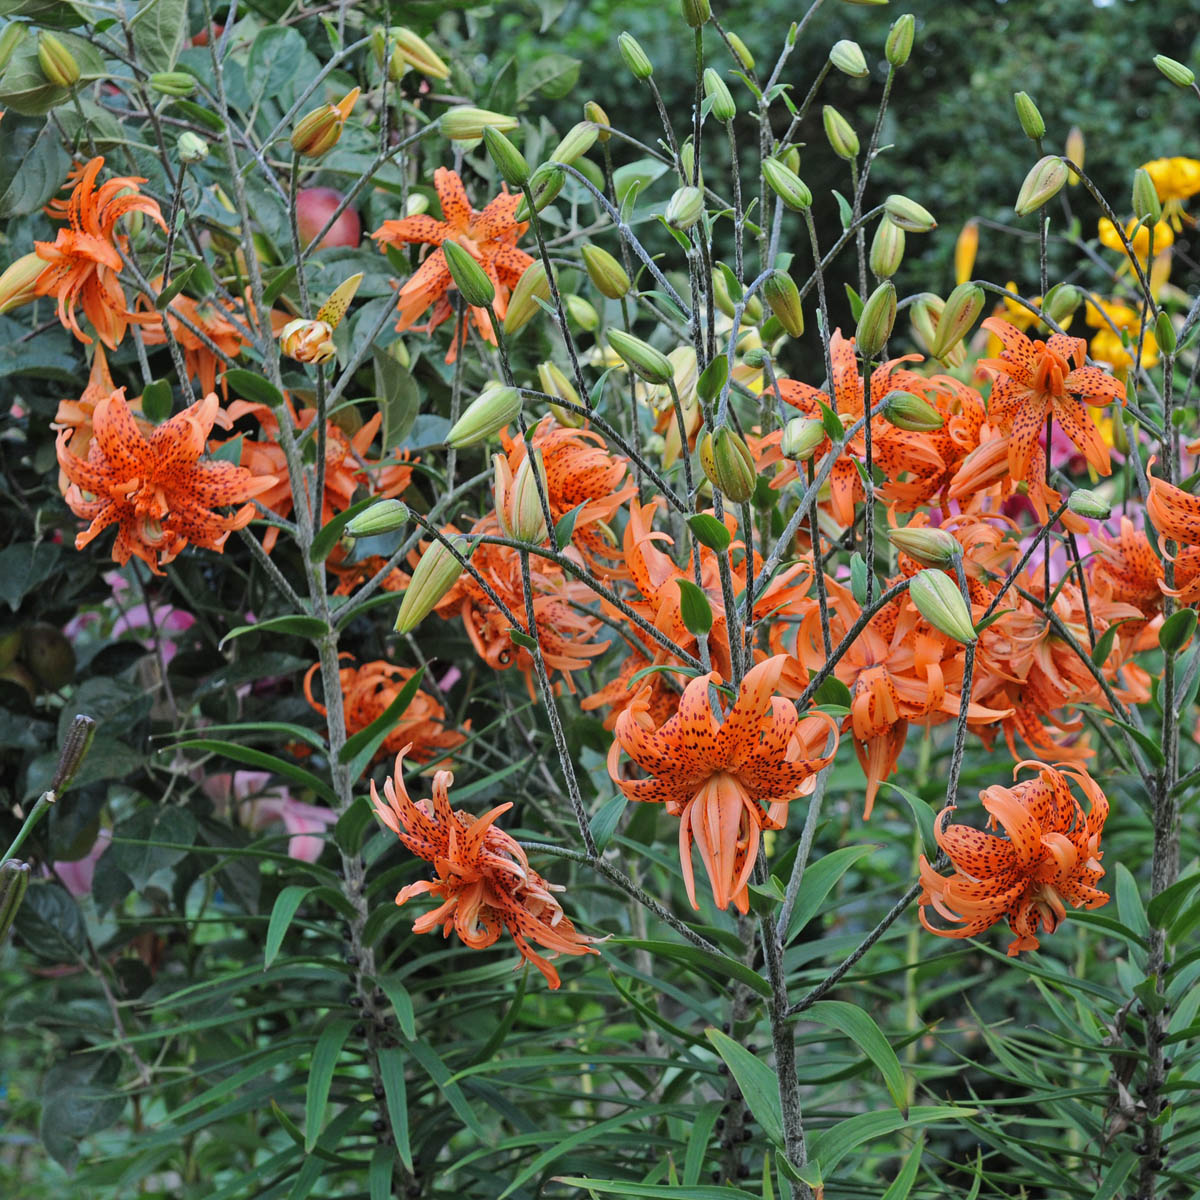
(887, 249)
(582, 313)
(1085, 503)
(555, 383)
(723, 300)
(791, 159)
(414, 51)
(878, 317)
(783, 296)
(900, 40)
(518, 499)
(510, 162)
(635, 57)
(909, 215)
(1061, 301)
(466, 124)
(384, 516)
(434, 575)
(318, 131)
(787, 185)
(963, 306)
(695, 12)
(839, 133)
(1175, 71)
(494, 408)
(18, 281)
(1146, 204)
(544, 185)
(927, 545)
(728, 464)
(938, 600)
(906, 411)
(1044, 181)
(469, 277)
(74, 750)
(190, 147)
(578, 140)
(523, 304)
(802, 438)
(847, 57)
(685, 208)
(642, 358)
(716, 90)
(687, 159)
(1029, 116)
(57, 62)
(12, 35)
(1164, 332)
(172, 83)
(740, 51)
(14, 880)
(605, 272)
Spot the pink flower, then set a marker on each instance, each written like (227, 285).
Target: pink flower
(77, 876)
(260, 806)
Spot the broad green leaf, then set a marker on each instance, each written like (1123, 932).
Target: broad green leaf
(320, 1076)
(1129, 902)
(176, 286)
(1165, 907)
(35, 164)
(293, 625)
(565, 525)
(353, 824)
(922, 813)
(833, 691)
(756, 1081)
(820, 878)
(830, 1146)
(604, 822)
(710, 532)
(694, 608)
(135, 849)
(834, 428)
(253, 387)
(860, 1027)
(282, 913)
(158, 31)
(712, 378)
(554, 75)
(158, 398)
(721, 964)
(399, 399)
(521, 638)
(858, 577)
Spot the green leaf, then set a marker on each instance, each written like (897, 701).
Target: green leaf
(860, 1027)
(399, 399)
(362, 747)
(720, 964)
(604, 823)
(710, 532)
(391, 1071)
(833, 691)
(34, 164)
(1129, 902)
(1176, 630)
(230, 451)
(294, 625)
(23, 567)
(320, 1077)
(522, 638)
(158, 399)
(819, 880)
(80, 1097)
(253, 387)
(832, 423)
(702, 1127)
(653, 1191)
(1104, 643)
(202, 116)
(353, 824)
(23, 85)
(133, 849)
(694, 608)
(158, 30)
(379, 1174)
(923, 815)
(282, 913)
(712, 378)
(830, 1146)
(565, 525)
(437, 1070)
(328, 535)
(1165, 907)
(756, 1081)
(903, 1183)
(402, 1005)
(856, 303)
(554, 75)
(858, 578)
(279, 280)
(1110, 1185)
(176, 286)
(267, 762)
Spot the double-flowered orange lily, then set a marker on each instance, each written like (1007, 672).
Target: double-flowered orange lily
(725, 782)
(1126, 569)
(1051, 858)
(1036, 380)
(490, 237)
(213, 320)
(483, 878)
(83, 262)
(156, 489)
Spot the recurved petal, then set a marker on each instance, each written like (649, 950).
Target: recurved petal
(977, 854)
(456, 208)
(126, 453)
(1097, 387)
(408, 230)
(743, 725)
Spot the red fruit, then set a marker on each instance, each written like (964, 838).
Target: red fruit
(314, 206)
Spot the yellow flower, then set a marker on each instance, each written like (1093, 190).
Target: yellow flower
(1163, 239)
(1175, 179)
(1107, 346)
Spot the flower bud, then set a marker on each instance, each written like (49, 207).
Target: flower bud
(523, 304)
(1075, 151)
(434, 575)
(494, 407)
(634, 56)
(878, 317)
(384, 516)
(685, 208)
(510, 162)
(643, 359)
(839, 133)
(555, 383)
(172, 83)
(791, 159)
(577, 141)
(695, 12)
(1061, 301)
(606, 274)
(1164, 332)
(965, 249)
(740, 51)
(469, 277)
(1174, 71)
(721, 297)
(582, 313)
(598, 117)
(847, 57)
(57, 62)
(1085, 503)
(927, 545)
(787, 185)
(191, 147)
(317, 132)
(16, 284)
(518, 500)
(728, 464)
(414, 51)
(416, 204)
(544, 185)
(802, 438)
(11, 36)
(963, 306)
(466, 124)
(938, 600)
(307, 341)
(74, 750)
(717, 92)
(906, 411)
(14, 880)
(899, 42)
(887, 249)
(909, 215)
(1031, 119)
(1044, 181)
(783, 296)
(1146, 204)
(687, 159)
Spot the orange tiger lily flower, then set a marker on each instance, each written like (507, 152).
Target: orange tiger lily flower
(1037, 380)
(1127, 570)
(156, 489)
(726, 783)
(1051, 858)
(490, 237)
(83, 263)
(483, 878)
(618, 696)
(1174, 512)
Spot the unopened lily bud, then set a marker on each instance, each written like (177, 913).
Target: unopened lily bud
(466, 124)
(938, 600)
(544, 185)
(1074, 151)
(414, 51)
(1175, 71)
(963, 306)
(469, 277)
(906, 411)
(634, 56)
(57, 62)
(718, 93)
(16, 284)
(791, 159)
(191, 147)
(1164, 332)
(1085, 503)
(909, 215)
(518, 500)
(722, 298)
(1031, 119)
(685, 208)
(307, 341)
(784, 299)
(1146, 204)
(384, 516)
(172, 83)
(965, 249)
(523, 304)
(787, 185)
(878, 317)
(695, 12)
(555, 383)
(728, 464)
(582, 313)
(74, 750)
(847, 57)
(416, 204)
(317, 132)
(1044, 181)
(927, 545)
(740, 51)
(11, 36)
(643, 359)
(14, 881)
(434, 575)
(687, 159)
(899, 42)
(802, 437)
(578, 140)
(598, 117)
(887, 249)
(494, 408)
(1061, 301)
(510, 162)
(605, 272)
(841, 136)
